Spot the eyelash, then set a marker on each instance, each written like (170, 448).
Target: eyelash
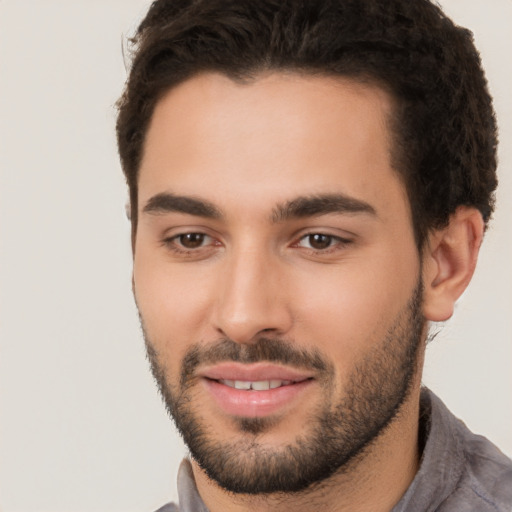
(172, 243)
(335, 243)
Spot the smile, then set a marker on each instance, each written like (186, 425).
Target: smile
(259, 385)
(257, 389)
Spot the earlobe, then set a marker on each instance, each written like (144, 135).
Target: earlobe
(449, 261)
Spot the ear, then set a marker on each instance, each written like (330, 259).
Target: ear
(449, 261)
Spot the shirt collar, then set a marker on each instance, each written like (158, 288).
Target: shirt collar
(441, 464)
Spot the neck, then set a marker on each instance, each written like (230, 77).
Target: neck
(375, 481)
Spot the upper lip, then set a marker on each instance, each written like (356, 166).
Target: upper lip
(253, 372)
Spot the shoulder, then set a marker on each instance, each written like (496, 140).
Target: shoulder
(459, 471)
(485, 479)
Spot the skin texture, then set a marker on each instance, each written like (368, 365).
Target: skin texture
(338, 430)
(244, 153)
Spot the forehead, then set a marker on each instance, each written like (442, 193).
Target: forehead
(280, 135)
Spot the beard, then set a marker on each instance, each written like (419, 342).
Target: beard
(334, 435)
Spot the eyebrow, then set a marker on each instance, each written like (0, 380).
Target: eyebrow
(166, 203)
(323, 204)
(300, 207)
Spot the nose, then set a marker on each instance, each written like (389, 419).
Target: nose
(252, 298)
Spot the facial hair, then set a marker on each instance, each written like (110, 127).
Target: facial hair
(334, 435)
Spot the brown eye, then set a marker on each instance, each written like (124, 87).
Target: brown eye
(323, 243)
(319, 241)
(192, 240)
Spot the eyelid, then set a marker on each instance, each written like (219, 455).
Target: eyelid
(187, 229)
(340, 242)
(346, 236)
(170, 240)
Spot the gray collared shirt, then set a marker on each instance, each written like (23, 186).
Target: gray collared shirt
(459, 471)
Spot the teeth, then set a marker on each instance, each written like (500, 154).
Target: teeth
(275, 384)
(259, 385)
(240, 384)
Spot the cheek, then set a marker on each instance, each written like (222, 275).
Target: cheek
(172, 302)
(351, 306)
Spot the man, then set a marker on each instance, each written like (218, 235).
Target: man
(309, 183)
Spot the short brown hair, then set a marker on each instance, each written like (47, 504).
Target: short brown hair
(444, 128)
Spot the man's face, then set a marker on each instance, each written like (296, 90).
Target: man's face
(276, 274)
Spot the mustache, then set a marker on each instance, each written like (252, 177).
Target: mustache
(262, 350)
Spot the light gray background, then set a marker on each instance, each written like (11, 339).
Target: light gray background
(82, 427)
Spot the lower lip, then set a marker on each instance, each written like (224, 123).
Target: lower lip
(255, 404)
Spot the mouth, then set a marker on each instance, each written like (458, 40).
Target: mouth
(258, 385)
(255, 390)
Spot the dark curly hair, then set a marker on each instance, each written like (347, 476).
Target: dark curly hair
(444, 127)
